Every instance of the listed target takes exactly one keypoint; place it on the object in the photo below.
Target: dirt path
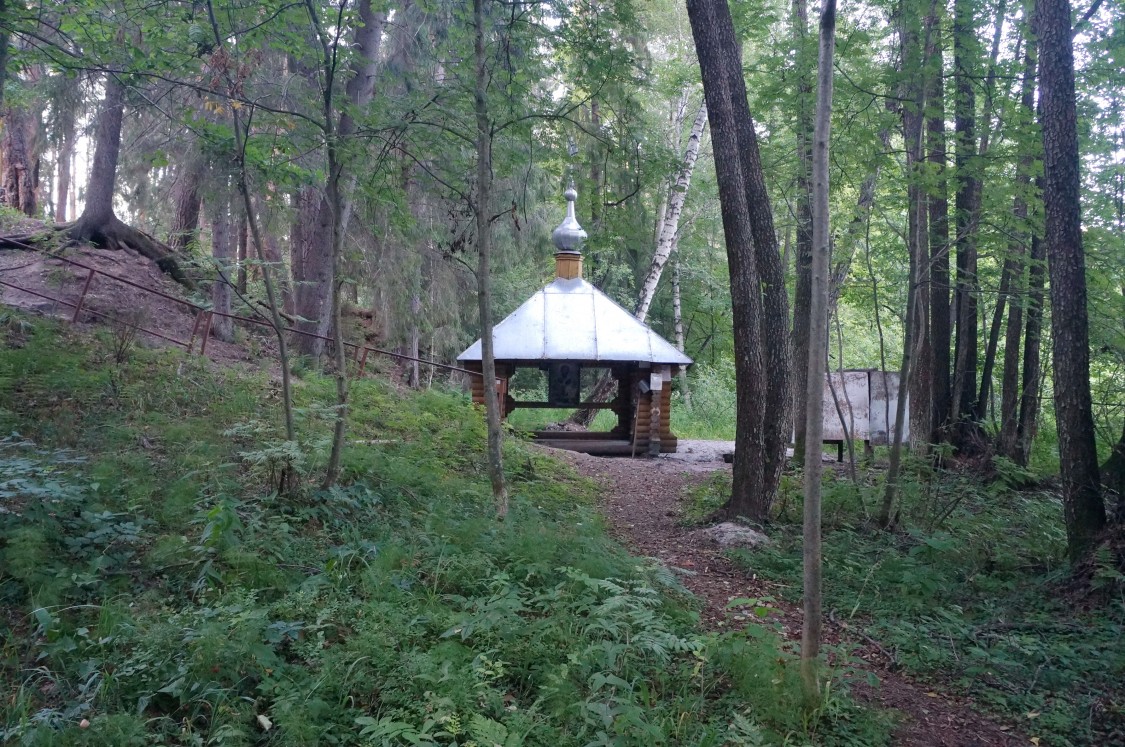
(642, 504)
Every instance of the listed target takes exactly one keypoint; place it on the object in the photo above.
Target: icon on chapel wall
(563, 384)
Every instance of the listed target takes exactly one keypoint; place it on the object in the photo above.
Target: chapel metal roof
(572, 320)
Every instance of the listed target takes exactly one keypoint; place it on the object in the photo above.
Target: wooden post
(633, 433)
(206, 333)
(621, 404)
(82, 296)
(656, 384)
(195, 328)
(502, 374)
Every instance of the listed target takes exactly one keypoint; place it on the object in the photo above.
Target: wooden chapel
(569, 326)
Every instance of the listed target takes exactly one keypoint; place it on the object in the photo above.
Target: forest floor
(644, 502)
(649, 507)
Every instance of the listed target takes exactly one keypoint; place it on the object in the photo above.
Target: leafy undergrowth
(155, 590)
(974, 591)
(711, 413)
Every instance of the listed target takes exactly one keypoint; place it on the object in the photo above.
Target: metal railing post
(82, 296)
(195, 329)
(206, 333)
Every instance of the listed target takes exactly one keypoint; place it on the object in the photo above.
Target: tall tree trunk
(288, 483)
(920, 386)
(966, 291)
(98, 224)
(483, 218)
(1003, 298)
(72, 210)
(360, 91)
(310, 244)
(845, 249)
(802, 292)
(915, 133)
(597, 178)
(98, 210)
(324, 214)
(1032, 360)
(1078, 456)
(670, 226)
(67, 137)
(970, 156)
(218, 210)
(335, 210)
(914, 46)
(818, 353)
(678, 326)
(771, 273)
(1009, 268)
(184, 233)
(20, 159)
(1010, 381)
(667, 239)
(1010, 374)
(941, 333)
(718, 60)
(242, 241)
(414, 380)
(311, 252)
(1113, 474)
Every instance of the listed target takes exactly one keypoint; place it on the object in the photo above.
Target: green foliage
(711, 415)
(706, 498)
(158, 591)
(972, 592)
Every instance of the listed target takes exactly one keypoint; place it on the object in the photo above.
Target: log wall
(643, 419)
(476, 386)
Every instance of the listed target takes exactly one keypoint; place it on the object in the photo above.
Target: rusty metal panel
(851, 392)
(884, 392)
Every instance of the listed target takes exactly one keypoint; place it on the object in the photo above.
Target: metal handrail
(202, 310)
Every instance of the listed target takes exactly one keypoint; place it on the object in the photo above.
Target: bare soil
(642, 501)
(56, 285)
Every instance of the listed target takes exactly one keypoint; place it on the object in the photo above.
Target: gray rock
(728, 534)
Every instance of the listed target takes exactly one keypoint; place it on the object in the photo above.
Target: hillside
(125, 290)
(156, 590)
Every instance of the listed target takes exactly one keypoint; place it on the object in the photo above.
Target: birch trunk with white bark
(670, 227)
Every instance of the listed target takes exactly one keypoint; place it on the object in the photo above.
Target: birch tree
(670, 225)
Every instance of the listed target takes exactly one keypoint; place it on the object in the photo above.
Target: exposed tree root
(108, 234)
